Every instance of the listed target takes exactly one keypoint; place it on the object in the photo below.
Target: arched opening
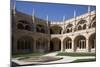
(55, 29)
(92, 41)
(23, 25)
(79, 27)
(94, 18)
(27, 27)
(67, 31)
(84, 26)
(93, 25)
(80, 42)
(20, 26)
(40, 28)
(25, 44)
(67, 43)
(51, 31)
(68, 28)
(55, 44)
(82, 21)
(41, 45)
(93, 22)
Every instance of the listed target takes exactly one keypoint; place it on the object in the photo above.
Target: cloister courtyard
(41, 41)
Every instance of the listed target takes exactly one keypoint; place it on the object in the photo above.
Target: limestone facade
(32, 34)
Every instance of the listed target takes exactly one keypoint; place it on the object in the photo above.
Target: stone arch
(25, 44)
(92, 41)
(93, 22)
(79, 42)
(67, 43)
(56, 29)
(79, 27)
(27, 27)
(93, 19)
(20, 26)
(41, 44)
(69, 28)
(24, 25)
(55, 44)
(84, 26)
(82, 21)
(69, 25)
(40, 28)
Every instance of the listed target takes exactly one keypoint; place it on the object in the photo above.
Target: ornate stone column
(87, 45)
(73, 48)
(62, 46)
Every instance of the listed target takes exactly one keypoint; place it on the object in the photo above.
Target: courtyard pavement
(66, 59)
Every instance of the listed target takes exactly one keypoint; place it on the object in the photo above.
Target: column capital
(87, 38)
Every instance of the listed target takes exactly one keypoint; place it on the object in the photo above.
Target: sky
(54, 11)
